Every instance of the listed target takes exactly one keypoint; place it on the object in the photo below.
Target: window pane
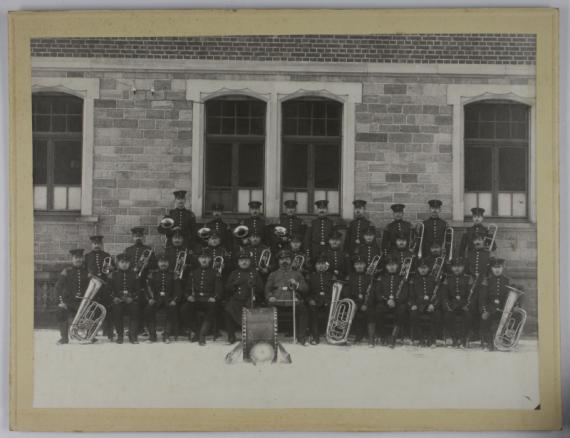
(327, 166)
(242, 126)
(478, 169)
(74, 123)
(519, 204)
(228, 125)
(295, 159)
(304, 127)
(312, 117)
(505, 204)
(213, 125)
(512, 169)
(40, 198)
(250, 165)
(319, 126)
(519, 131)
(219, 165)
(40, 162)
(58, 124)
(67, 162)
(333, 127)
(219, 196)
(258, 126)
(60, 198)
(486, 130)
(74, 198)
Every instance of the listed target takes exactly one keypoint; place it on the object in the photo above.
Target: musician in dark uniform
(256, 248)
(319, 297)
(478, 258)
(401, 250)
(394, 228)
(172, 253)
(424, 302)
(296, 248)
(70, 288)
(183, 218)
(338, 260)
(292, 223)
(216, 249)
(203, 291)
(456, 303)
(255, 222)
(242, 289)
(218, 225)
(357, 288)
(94, 260)
(388, 303)
(317, 235)
(127, 296)
(163, 293)
(434, 227)
(137, 250)
(434, 253)
(369, 247)
(492, 300)
(279, 292)
(357, 227)
(477, 228)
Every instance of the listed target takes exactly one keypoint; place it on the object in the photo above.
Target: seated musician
(242, 288)
(357, 289)
(492, 301)
(163, 294)
(256, 248)
(279, 289)
(424, 305)
(369, 248)
(126, 299)
(203, 291)
(387, 304)
(478, 227)
(319, 297)
(173, 251)
(456, 304)
(401, 250)
(70, 288)
(434, 252)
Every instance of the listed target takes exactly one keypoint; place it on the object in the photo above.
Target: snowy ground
(186, 375)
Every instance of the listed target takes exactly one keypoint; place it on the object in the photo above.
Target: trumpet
(90, 314)
(511, 324)
(298, 262)
(447, 246)
(264, 259)
(218, 265)
(373, 265)
(142, 262)
(204, 233)
(417, 238)
(241, 232)
(405, 270)
(489, 240)
(165, 225)
(106, 266)
(341, 314)
(180, 264)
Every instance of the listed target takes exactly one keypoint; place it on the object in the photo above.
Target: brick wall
(424, 49)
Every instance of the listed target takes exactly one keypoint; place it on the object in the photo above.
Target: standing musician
(385, 306)
(256, 248)
(320, 230)
(369, 247)
(183, 218)
(357, 288)
(478, 258)
(70, 288)
(455, 301)
(291, 222)
(216, 249)
(218, 225)
(172, 253)
(424, 305)
(243, 288)
(283, 285)
(401, 250)
(296, 248)
(434, 227)
(127, 296)
(357, 227)
(203, 291)
(163, 293)
(492, 302)
(94, 260)
(477, 228)
(319, 297)
(396, 227)
(338, 260)
(255, 222)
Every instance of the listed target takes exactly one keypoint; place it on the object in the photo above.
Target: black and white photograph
(348, 220)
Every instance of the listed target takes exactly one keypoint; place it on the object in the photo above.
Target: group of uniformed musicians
(399, 289)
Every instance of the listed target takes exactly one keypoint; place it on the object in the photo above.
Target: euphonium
(90, 314)
(373, 265)
(106, 266)
(165, 225)
(298, 262)
(489, 239)
(341, 314)
(218, 265)
(180, 264)
(447, 247)
(241, 232)
(264, 259)
(142, 262)
(511, 324)
(204, 233)
(417, 239)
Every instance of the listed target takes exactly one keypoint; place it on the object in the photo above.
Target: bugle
(511, 324)
(417, 238)
(90, 314)
(341, 314)
(107, 265)
(489, 239)
(180, 264)
(264, 259)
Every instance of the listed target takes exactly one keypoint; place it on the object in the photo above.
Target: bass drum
(259, 335)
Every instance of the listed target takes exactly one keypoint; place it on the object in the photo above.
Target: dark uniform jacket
(240, 283)
(204, 283)
(71, 285)
(354, 234)
(356, 288)
(434, 231)
(222, 229)
(492, 297)
(255, 252)
(171, 253)
(294, 224)
(401, 255)
(256, 224)
(477, 262)
(455, 291)
(186, 220)
(320, 287)
(467, 238)
(94, 262)
(386, 288)
(221, 251)
(134, 253)
(162, 286)
(277, 285)
(124, 284)
(391, 231)
(368, 251)
(339, 262)
(421, 292)
(317, 235)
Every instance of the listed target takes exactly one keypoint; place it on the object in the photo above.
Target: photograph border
(24, 26)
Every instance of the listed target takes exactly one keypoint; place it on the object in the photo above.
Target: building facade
(119, 123)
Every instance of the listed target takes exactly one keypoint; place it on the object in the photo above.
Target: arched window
(235, 146)
(497, 158)
(57, 124)
(311, 152)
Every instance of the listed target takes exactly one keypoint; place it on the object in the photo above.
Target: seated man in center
(279, 292)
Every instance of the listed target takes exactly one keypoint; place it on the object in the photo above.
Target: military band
(202, 277)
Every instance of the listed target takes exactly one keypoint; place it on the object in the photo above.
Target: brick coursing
(423, 49)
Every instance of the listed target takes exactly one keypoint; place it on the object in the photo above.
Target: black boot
(371, 334)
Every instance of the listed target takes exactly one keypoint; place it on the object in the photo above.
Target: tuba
(298, 262)
(142, 262)
(90, 314)
(165, 225)
(241, 232)
(417, 239)
(373, 265)
(489, 239)
(447, 246)
(264, 259)
(511, 324)
(341, 314)
(180, 264)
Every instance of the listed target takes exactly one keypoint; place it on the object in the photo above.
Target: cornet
(218, 265)
(180, 264)
(489, 239)
(142, 262)
(298, 262)
(264, 259)
(373, 265)
(417, 238)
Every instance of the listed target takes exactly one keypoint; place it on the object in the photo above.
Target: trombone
(447, 247)
(180, 264)
(417, 238)
(405, 270)
(489, 240)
